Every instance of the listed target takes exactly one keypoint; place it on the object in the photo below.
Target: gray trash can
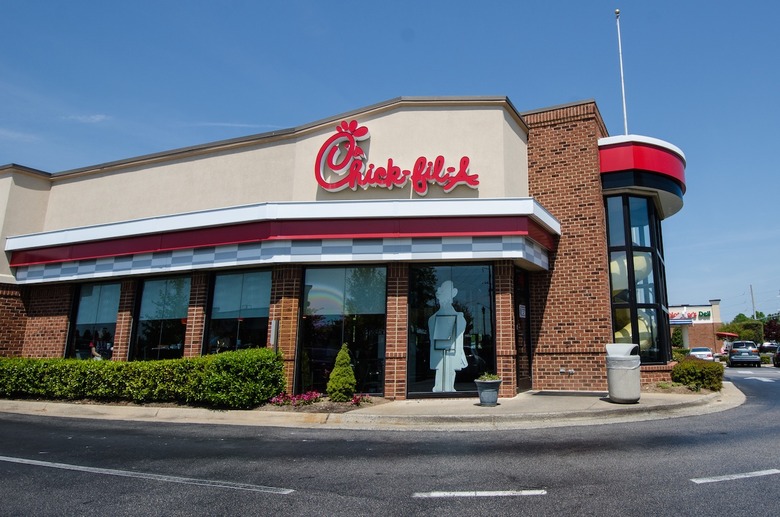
(623, 378)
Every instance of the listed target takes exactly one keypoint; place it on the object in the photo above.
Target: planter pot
(488, 392)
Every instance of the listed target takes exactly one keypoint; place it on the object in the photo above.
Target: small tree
(342, 383)
(677, 337)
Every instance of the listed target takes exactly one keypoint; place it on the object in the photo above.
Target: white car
(702, 352)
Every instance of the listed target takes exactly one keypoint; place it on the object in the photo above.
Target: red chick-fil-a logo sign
(342, 156)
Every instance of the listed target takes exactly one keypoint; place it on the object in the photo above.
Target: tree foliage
(342, 383)
(747, 329)
(677, 337)
(772, 330)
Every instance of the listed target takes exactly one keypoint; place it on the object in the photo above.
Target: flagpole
(622, 83)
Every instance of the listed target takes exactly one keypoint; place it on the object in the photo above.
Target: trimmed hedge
(697, 373)
(235, 380)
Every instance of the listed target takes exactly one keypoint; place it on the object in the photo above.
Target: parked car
(702, 352)
(768, 348)
(744, 344)
(744, 353)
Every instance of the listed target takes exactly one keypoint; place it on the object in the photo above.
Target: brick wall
(196, 314)
(48, 310)
(124, 319)
(651, 374)
(506, 351)
(571, 317)
(703, 334)
(13, 320)
(286, 282)
(397, 333)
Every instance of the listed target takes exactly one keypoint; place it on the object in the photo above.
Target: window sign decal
(341, 163)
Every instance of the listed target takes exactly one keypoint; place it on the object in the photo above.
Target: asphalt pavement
(527, 410)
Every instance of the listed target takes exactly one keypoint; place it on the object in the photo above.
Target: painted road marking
(155, 477)
(762, 379)
(497, 493)
(730, 477)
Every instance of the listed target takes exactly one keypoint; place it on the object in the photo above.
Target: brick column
(13, 320)
(570, 303)
(286, 282)
(48, 311)
(196, 314)
(397, 331)
(124, 319)
(506, 352)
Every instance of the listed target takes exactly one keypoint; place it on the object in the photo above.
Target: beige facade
(273, 167)
(24, 193)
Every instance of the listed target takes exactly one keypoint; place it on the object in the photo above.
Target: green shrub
(239, 380)
(243, 379)
(342, 383)
(766, 358)
(171, 380)
(697, 374)
(678, 354)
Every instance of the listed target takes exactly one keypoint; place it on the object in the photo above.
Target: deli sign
(341, 163)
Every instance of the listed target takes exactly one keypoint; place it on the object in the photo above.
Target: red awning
(726, 334)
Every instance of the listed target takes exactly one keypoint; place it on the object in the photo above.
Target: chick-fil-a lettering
(341, 155)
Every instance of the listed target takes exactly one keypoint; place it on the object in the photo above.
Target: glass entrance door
(451, 336)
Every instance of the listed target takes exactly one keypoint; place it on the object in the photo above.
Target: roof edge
(13, 167)
(282, 133)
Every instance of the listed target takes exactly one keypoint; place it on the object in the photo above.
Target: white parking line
(155, 477)
(497, 493)
(730, 477)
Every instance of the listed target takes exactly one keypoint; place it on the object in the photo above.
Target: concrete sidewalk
(529, 410)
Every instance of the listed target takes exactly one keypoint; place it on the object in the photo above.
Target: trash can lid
(629, 362)
(622, 349)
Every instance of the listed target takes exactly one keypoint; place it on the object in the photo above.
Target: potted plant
(487, 387)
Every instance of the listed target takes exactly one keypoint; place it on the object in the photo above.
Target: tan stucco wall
(282, 169)
(23, 198)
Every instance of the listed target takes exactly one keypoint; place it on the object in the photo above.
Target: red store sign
(341, 155)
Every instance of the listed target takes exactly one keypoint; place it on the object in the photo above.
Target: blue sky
(86, 82)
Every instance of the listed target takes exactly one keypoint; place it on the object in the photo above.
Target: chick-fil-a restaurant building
(439, 238)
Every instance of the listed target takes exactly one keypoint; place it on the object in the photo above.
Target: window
(343, 305)
(95, 324)
(637, 276)
(239, 311)
(162, 319)
(437, 294)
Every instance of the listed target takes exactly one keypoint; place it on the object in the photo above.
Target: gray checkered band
(525, 251)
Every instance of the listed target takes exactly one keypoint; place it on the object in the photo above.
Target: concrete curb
(517, 413)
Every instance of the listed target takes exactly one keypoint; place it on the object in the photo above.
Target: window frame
(631, 249)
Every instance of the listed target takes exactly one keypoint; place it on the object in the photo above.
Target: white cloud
(89, 119)
(234, 124)
(17, 136)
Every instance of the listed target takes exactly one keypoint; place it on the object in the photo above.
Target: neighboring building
(699, 324)
(437, 237)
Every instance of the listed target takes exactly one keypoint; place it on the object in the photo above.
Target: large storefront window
(343, 305)
(451, 338)
(93, 336)
(239, 311)
(637, 276)
(162, 319)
